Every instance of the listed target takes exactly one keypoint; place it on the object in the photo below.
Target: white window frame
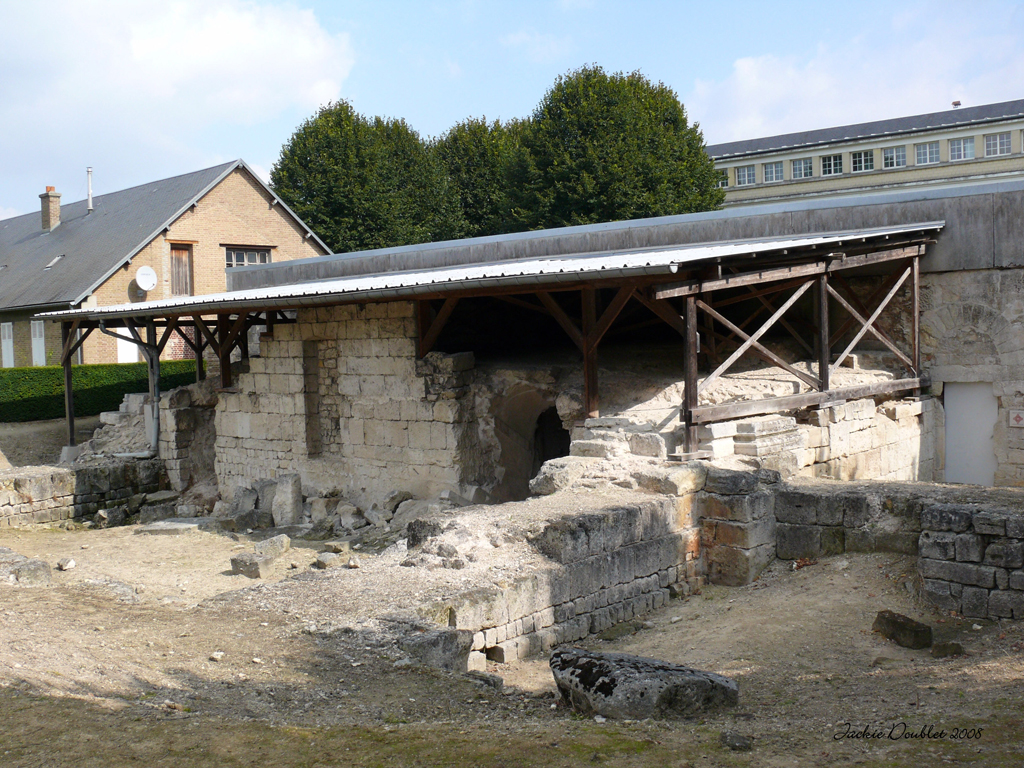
(925, 150)
(862, 160)
(723, 179)
(7, 345)
(748, 177)
(832, 165)
(961, 149)
(806, 166)
(894, 157)
(244, 256)
(773, 171)
(38, 342)
(995, 146)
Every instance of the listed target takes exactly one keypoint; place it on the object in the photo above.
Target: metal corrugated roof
(92, 246)
(953, 118)
(530, 273)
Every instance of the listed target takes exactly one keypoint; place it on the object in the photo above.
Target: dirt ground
(149, 652)
(31, 443)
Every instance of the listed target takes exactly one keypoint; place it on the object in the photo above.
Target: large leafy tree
(363, 183)
(603, 147)
(476, 155)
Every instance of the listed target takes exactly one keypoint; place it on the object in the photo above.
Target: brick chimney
(51, 209)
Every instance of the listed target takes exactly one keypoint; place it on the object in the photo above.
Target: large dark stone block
(902, 630)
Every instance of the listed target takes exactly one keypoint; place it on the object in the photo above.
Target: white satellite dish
(146, 278)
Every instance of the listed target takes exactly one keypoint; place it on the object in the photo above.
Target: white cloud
(7, 213)
(156, 84)
(538, 47)
(920, 64)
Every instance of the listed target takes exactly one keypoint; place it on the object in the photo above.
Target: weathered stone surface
(942, 650)
(66, 564)
(946, 517)
(970, 548)
(621, 686)
(377, 517)
(798, 507)
(557, 474)
(33, 573)
(252, 565)
(179, 526)
(150, 513)
(974, 602)
(741, 508)
(902, 630)
(446, 649)
(287, 507)
(266, 490)
(275, 546)
(673, 480)
(989, 523)
(322, 509)
(796, 541)
(938, 545)
(394, 498)
(1005, 554)
(729, 482)
(421, 530)
(961, 573)
(938, 594)
(347, 517)
(737, 742)
(328, 560)
(1006, 604)
(734, 567)
(647, 444)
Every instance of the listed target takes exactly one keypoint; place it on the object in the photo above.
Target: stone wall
(972, 330)
(340, 398)
(32, 495)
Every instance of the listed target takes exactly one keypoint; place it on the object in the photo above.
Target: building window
(803, 168)
(723, 179)
(894, 157)
(7, 345)
(773, 171)
(38, 342)
(745, 175)
(927, 154)
(997, 144)
(961, 149)
(243, 257)
(863, 161)
(831, 165)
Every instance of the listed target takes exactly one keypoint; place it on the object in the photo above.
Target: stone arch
(968, 334)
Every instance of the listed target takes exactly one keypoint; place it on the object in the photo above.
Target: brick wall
(22, 329)
(238, 211)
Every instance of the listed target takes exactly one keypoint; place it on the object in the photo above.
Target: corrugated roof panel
(529, 272)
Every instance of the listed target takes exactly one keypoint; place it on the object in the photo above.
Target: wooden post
(152, 355)
(824, 348)
(198, 340)
(590, 396)
(225, 352)
(690, 374)
(69, 398)
(915, 310)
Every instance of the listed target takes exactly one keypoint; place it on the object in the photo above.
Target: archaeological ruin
(788, 380)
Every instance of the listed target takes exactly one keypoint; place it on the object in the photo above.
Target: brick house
(188, 230)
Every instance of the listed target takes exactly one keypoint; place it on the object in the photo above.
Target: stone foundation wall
(32, 495)
(340, 398)
(613, 566)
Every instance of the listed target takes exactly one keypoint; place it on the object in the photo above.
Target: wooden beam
(524, 304)
(693, 288)
(172, 325)
(739, 410)
(590, 385)
(223, 350)
(754, 293)
(66, 332)
(608, 316)
(68, 338)
(563, 319)
(867, 324)
(430, 334)
(665, 311)
(750, 340)
(756, 345)
(206, 331)
(824, 348)
(237, 328)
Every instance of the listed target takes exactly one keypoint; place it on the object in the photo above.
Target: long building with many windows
(961, 144)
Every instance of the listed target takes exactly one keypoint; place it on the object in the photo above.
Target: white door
(127, 351)
(38, 342)
(7, 345)
(971, 414)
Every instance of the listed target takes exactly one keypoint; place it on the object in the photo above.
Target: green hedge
(30, 394)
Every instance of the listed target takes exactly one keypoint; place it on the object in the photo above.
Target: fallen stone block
(394, 498)
(337, 547)
(327, 560)
(421, 530)
(287, 507)
(179, 526)
(558, 474)
(377, 517)
(902, 630)
(622, 686)
(275, 546)
(942, 650)
(446, 649)
(252, 565)
(162, 497)
(66, 564)
(150, 513)
(33, 573)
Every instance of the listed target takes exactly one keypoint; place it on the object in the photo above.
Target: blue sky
(142, 90)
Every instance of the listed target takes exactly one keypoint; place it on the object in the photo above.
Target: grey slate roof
(93, 245)
(952, 118)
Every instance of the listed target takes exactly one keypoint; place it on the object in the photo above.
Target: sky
(141, 90)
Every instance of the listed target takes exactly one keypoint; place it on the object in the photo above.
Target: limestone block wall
(972, 330)
(340, 398)
(610, 567)
(32, 495)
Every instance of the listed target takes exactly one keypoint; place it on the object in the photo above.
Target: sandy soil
(32, 443)
(114, 665)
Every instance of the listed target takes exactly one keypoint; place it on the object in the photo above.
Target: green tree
(605, 147)
(476, 156)
(362, 183)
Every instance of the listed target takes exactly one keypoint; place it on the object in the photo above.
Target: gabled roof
(87, 248)
(953, 118)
